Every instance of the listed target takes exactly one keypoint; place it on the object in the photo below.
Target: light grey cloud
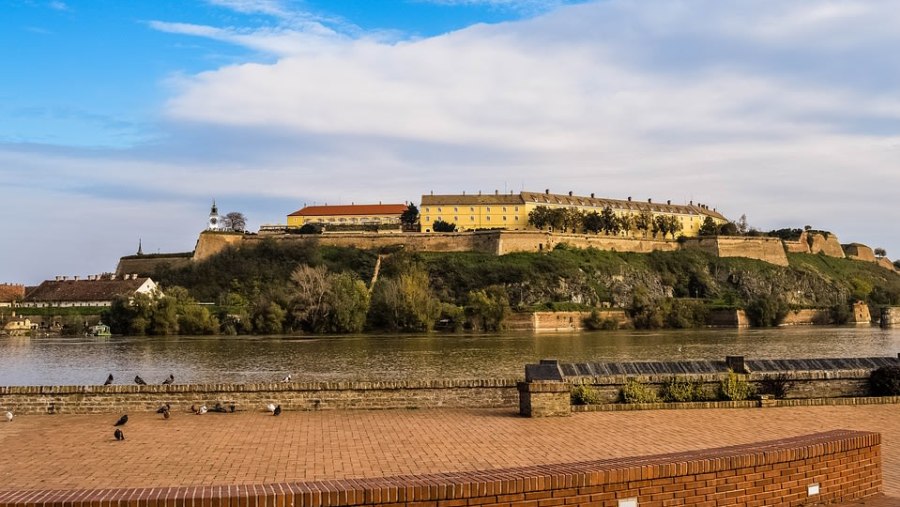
(787, 112)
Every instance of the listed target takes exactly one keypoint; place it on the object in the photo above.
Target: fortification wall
(765, 249)
(807, 317)
(572, 321)
(800, 246)
(859, 252)
(830, 246)
(844, 465)
(886, 263)
(210, 243)
(728, 318)
(537, 241)
(145, 265)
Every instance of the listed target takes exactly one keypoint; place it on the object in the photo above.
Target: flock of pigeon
(165, 409)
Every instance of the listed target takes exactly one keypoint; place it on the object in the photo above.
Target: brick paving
(79, 451)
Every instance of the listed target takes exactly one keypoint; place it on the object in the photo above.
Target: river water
(82, 361)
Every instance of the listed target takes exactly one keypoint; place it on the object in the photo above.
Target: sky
(122, 121)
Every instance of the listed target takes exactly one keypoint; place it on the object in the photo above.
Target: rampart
(212, 242)
(561, 321)
(831, 467)
(250, 397)
(766, 249)
(537, 241)
(144, 265)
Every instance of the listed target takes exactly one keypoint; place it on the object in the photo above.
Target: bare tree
(235, 221)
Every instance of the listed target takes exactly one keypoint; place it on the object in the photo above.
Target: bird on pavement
(139, 381)
(231, 408)
(119, 435)
(277, 410)
(202, 410)
(287, 379)
(219, 408)
(109, 380)
(270, 407)
(122, 420)
(169, 380)
(164, 408)
(166, 414)
(9, 416)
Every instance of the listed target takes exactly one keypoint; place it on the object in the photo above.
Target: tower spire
(140, 250)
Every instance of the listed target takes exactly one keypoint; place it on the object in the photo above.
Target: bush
(885, 381)
(679, 390)
(767, 311)
(734, 388)
(634, 391)
(584, 395)
(594, 322)
(775, 385)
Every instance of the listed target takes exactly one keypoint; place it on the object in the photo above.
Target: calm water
(79, 361)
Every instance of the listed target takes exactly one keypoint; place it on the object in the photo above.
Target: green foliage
(767, 311)
(268, 318)
(650, 313)
(410, 216)
(787, 234)
(728, 229)
(442, 226)
(309, 228)
(841, 313)
(404, 303)
(487, 309)
(734, 387)
(885, 381)
(451, 318)
(634, 391)
(681, 390)
(594, 322)
(775, 385)
(61, 311)
(326, 302)
(708, 227)
(897, 264)
(584, 395)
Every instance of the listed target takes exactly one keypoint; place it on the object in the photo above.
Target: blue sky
(123, 120)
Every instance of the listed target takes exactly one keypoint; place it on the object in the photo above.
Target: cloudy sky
(122, 121)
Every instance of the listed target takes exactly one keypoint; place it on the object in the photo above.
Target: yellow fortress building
(511, 211)
(348, 214)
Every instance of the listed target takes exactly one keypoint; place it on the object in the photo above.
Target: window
(428, 219)
(517, 208)
(504, 209)
(471, 219)
(488, 210)
(487, 218)
(427, 210)
(517, 219)
(456, 219)
(455, 210)
(504, 218)
(471, 210)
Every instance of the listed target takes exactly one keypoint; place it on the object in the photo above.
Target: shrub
(584, 395)
(775, 385)
(885, 381)
(634, 391)
(681, 389)
(767, 311)
(734, 388)
(594, 322)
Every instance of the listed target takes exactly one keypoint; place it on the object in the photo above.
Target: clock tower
(214, 218)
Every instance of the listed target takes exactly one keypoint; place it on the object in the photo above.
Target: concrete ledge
(845, 466)
(812, 402)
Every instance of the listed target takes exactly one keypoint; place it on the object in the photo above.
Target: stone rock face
(860, 252)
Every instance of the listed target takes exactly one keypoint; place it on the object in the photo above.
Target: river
(82, 361)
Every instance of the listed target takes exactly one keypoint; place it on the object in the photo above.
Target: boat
(100, 329)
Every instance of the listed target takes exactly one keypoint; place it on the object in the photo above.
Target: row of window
(361, 220)
(472, 209)
(471, 219)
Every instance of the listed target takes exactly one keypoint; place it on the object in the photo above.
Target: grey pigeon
(169, 380)
(139, 381)
(119, 435)
(122, 420)
(109, 380)
(277, 410)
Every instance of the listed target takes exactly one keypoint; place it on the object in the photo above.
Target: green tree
(404, 303)
(558, 219)
(309, 305)
(197, 320)
(348, 301)
(593, 222)
(728, 229)
(442, 226)
(487, 309)
(708, 227)
(410, 216)
(268, 318)
(310, 228)
(643, 222)
(767, 311)
(235, 221)
(539, 217)
(609, 222)
(572, 219)
(897, 264)
(880, 252)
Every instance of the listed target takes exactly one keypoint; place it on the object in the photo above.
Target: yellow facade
(353, 214)
(510, 211)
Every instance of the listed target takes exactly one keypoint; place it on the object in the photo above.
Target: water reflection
(78, 361)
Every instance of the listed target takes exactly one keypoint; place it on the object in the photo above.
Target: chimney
(479, 192)
(592, 195)
(629, 198)
(649, 200)
(547, 191)
(75, 278)
(58, 278)
(496, 192)
(692, 203)
(432, 192)
(464, 192)
(570, 193)
(669, 202)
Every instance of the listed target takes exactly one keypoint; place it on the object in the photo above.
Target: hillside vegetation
(277, 287)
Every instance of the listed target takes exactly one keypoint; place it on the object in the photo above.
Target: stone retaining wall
(841, 466)
(254, 397)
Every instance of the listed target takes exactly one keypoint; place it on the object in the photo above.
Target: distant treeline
(283, 287)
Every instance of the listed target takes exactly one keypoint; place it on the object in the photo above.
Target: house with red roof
(93, 291)
(348, 214)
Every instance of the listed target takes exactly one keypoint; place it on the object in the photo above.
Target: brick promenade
(78, 451)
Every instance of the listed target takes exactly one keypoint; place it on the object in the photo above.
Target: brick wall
(846, 465)
(770, 250)
(250, 397)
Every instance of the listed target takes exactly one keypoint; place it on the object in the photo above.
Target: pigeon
(270, 407)
(231, 408)
(202, 410)
(119, 435)
(109, 380)
(194, 408)
(277, 410)
(169, 380)
(164, 408)
(219, 408)
(9, 416)
(287, 379)
(166, 414)
(139, 381)
(122, 420)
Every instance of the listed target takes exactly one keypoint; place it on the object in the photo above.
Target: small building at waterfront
(10, 293)
(92, 291)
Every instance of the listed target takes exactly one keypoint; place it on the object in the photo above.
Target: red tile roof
(84, 290)
(350, 209)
